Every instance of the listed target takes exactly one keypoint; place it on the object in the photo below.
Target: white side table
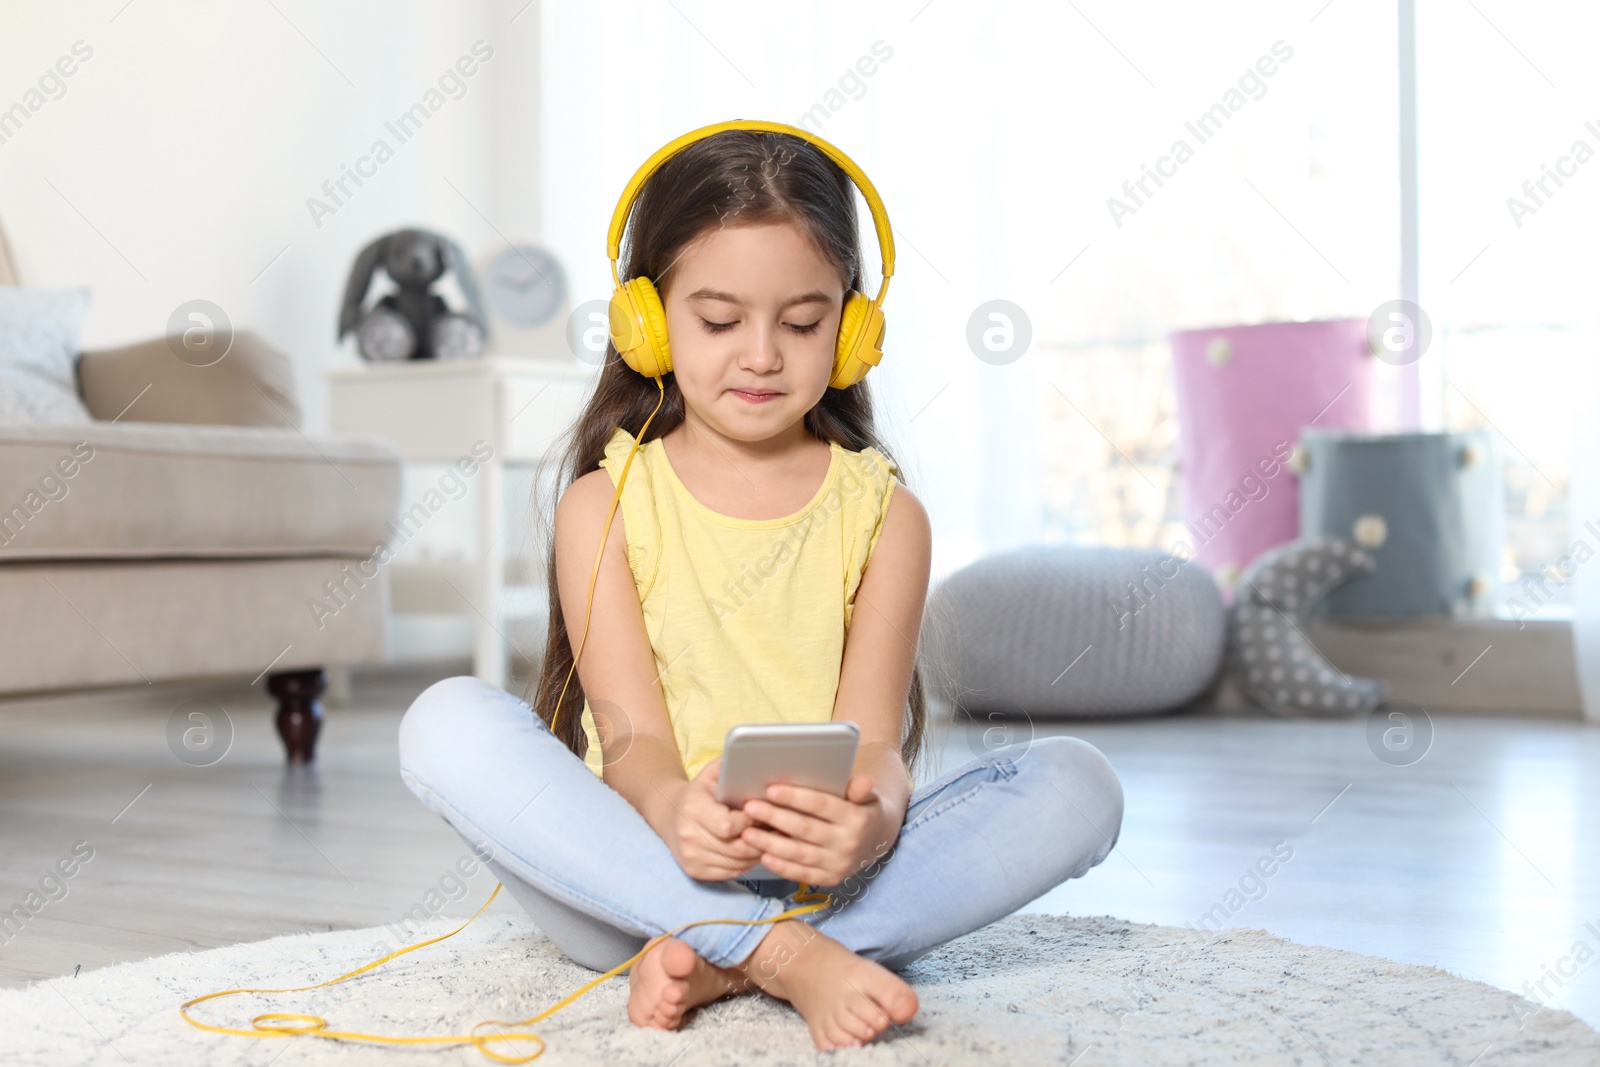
(435, 412)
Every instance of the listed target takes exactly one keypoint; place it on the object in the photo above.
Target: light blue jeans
(976, 845)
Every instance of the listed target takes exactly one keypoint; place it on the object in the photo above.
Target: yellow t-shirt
(746, 617)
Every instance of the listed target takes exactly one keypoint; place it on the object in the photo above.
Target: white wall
(178, 161)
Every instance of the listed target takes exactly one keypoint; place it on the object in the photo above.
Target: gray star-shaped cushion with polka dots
(1269, 656)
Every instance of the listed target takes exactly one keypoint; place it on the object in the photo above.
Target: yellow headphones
(639, 331)
(638, 324)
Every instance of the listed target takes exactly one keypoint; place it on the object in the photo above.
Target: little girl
(768, 567)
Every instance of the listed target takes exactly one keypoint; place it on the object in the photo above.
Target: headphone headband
(880, 217)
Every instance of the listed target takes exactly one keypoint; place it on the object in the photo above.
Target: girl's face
(752, 310)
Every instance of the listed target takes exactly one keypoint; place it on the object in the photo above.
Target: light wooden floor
(1472, 859)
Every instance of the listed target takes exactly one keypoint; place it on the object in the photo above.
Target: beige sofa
(192, 530)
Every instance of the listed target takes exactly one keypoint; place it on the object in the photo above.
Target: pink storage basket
(1243, 393)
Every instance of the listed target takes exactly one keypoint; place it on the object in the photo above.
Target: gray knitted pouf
(1073, 630)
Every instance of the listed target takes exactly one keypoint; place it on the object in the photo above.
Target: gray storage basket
(1426, 506)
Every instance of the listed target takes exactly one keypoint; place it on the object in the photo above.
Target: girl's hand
(705, 834)
(819, 838)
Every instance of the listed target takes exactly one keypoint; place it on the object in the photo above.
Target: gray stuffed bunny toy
(413, 323)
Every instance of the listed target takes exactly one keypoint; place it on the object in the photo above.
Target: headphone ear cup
(860, 346)
(638, 326)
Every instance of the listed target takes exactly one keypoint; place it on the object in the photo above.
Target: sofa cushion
(39, 331)
(83, 623)
(251, 385)
(143, 491)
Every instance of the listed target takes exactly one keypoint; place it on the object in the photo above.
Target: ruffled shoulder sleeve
(876, 477)
(639, 518)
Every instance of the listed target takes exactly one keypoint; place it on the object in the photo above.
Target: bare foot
(846, 1000)
(670, 980)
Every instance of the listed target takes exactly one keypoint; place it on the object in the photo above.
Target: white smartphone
(819, 755)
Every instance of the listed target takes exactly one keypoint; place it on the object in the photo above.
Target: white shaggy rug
(1029, 989)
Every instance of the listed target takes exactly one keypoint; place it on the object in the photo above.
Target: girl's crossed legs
(976, 845)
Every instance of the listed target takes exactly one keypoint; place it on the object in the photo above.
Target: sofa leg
(299, 710)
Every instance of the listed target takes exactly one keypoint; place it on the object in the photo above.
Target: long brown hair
(735, 177)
